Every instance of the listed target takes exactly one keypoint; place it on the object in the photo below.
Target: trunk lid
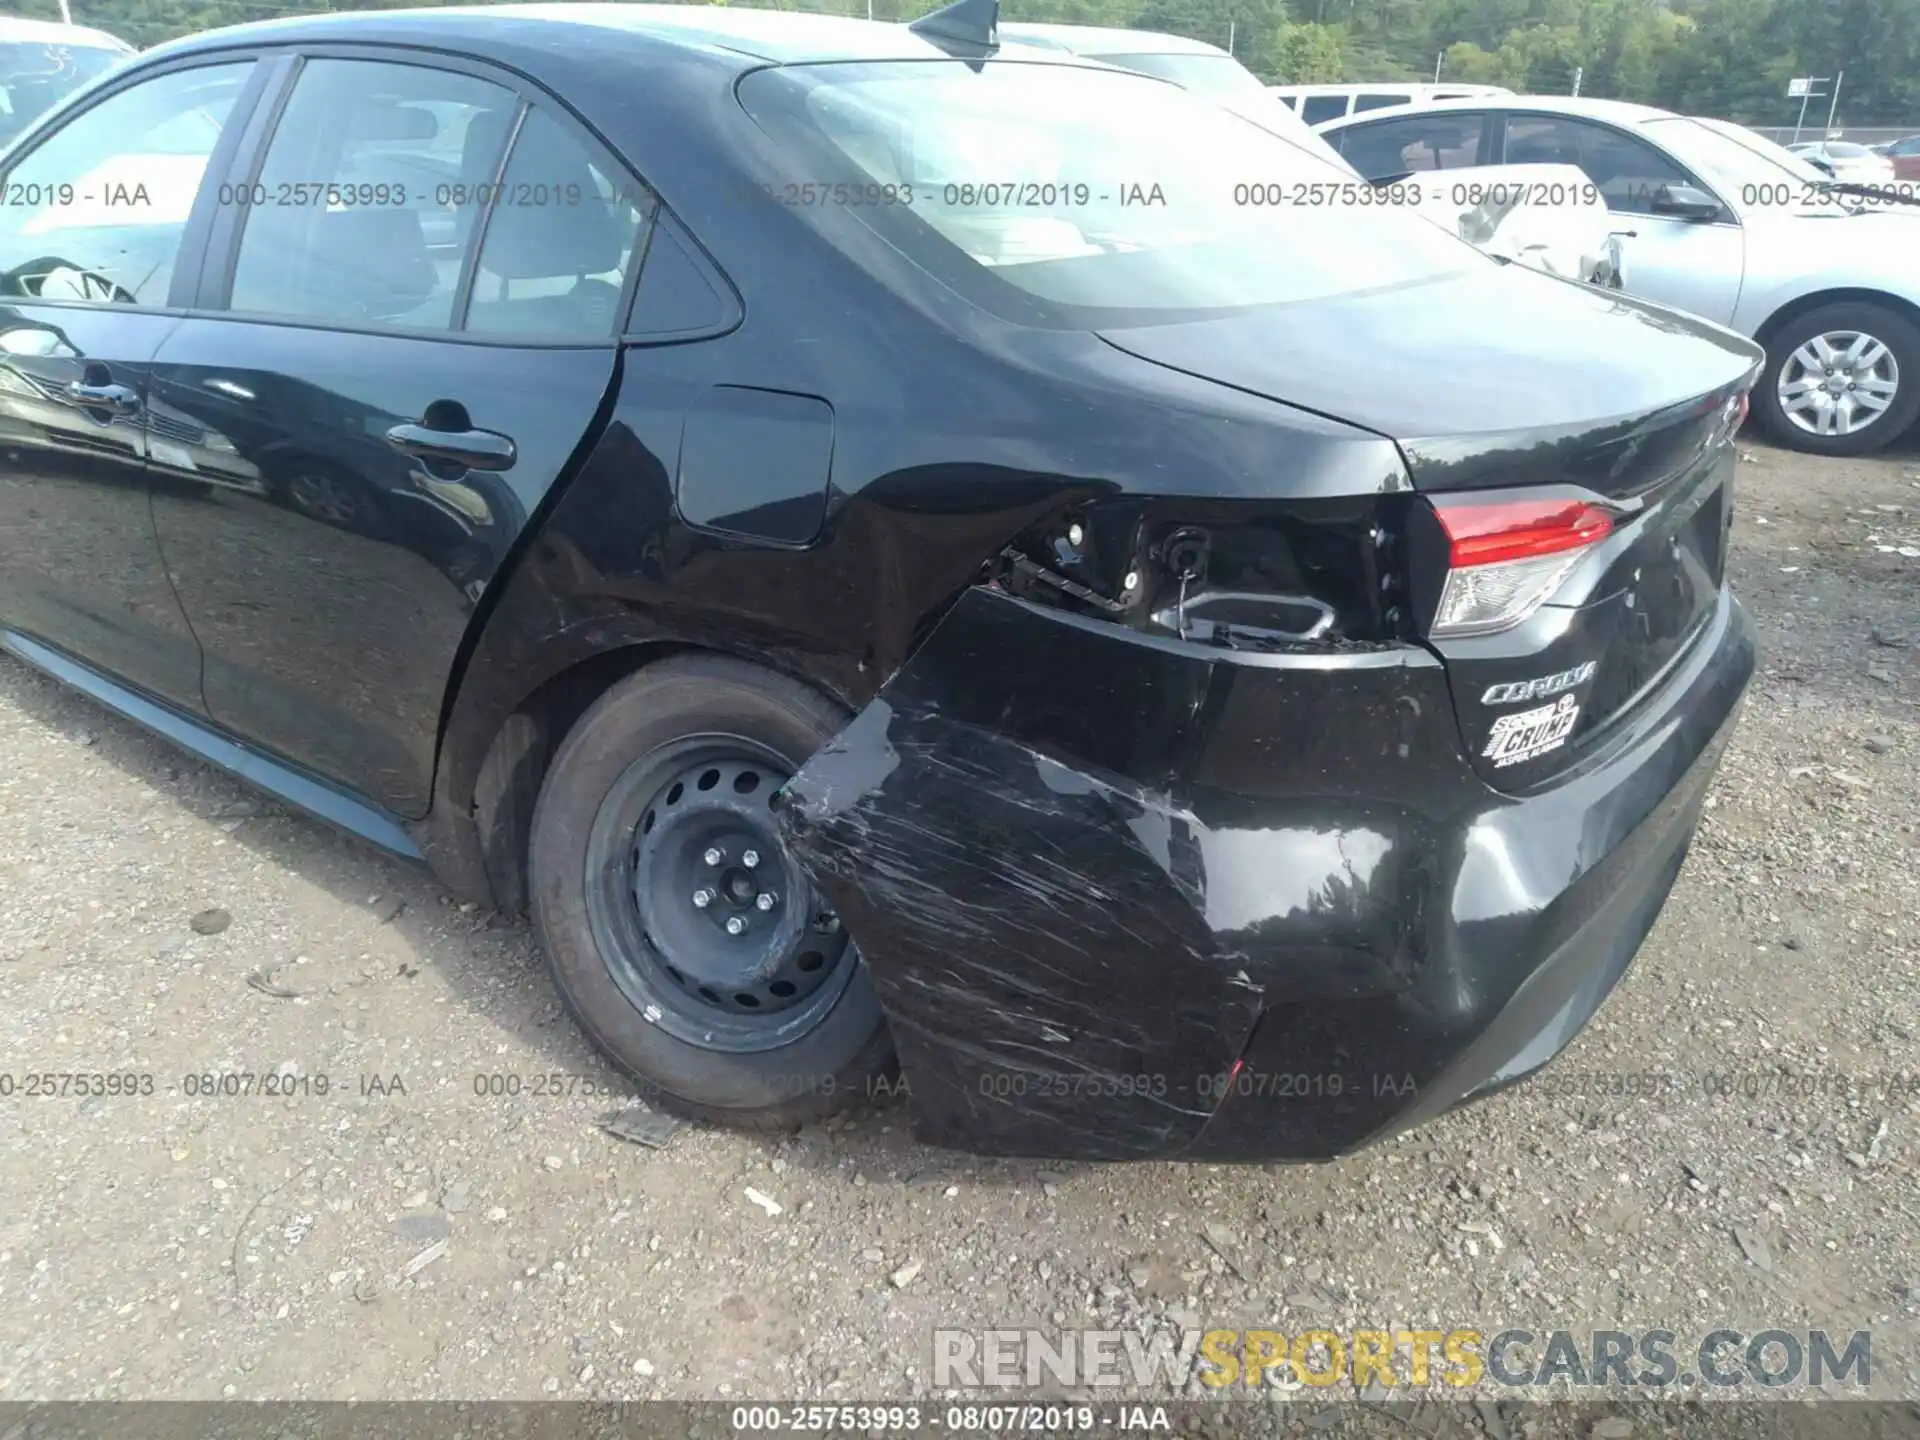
(1503, 379)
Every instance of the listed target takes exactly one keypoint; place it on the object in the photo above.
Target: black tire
(1890, 326)
(606, 964)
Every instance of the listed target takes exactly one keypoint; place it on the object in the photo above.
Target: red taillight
(1494, 533)
(1506, 556)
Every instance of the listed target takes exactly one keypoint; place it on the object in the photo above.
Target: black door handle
(120, 399)
(475, 449)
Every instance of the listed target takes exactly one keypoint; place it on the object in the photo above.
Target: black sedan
(922, 569)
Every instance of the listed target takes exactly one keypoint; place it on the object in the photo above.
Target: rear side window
(1444, 141)
(559, 241)
(1378, 101)
(369, 191)
(1320, 108)
(98, 210)
(1287, 100)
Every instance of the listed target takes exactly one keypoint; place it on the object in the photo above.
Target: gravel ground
(405, 1237)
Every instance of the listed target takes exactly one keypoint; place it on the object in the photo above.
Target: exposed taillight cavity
(1258, 576)
(1507, 555)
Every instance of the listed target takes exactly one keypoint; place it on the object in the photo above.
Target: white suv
(42, 62)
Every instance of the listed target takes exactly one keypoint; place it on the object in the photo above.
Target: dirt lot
(181, 1247)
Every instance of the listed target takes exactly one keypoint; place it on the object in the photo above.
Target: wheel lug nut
(766, 900)
(736, 925)
(702, 899)
(714, 855)
(750, 859)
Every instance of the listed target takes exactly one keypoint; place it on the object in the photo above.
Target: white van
(1317, 104)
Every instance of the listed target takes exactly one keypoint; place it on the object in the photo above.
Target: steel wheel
(770, 1023)
(1838, 383)
(708, 926)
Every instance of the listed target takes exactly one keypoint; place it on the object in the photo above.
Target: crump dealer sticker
(1531, 732)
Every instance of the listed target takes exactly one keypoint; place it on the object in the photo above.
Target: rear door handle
(475, 449)
(120, 399)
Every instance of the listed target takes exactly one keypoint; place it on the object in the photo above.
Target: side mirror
(1685, 202)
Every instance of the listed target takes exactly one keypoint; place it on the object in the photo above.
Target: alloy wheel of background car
(693, 950)
(1839, 382)
(1842, 380)
(324, 497)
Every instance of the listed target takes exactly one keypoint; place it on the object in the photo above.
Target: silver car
(1846, 161)
(1725, 225)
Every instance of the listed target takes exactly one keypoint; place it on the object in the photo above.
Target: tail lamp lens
(1506, 556)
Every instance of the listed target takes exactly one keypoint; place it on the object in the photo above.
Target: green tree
(1306, 54)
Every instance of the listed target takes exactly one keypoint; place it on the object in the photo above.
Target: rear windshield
(34, 74)
(1207, 74)
(1078, 197)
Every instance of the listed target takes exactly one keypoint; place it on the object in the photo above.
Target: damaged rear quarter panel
(1082, 862)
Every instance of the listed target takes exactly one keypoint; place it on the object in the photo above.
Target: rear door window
(369, 192)
(1448, 140)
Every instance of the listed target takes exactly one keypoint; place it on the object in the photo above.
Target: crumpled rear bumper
(1125, 897)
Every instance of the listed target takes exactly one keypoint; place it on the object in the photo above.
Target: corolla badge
(1539, 688)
